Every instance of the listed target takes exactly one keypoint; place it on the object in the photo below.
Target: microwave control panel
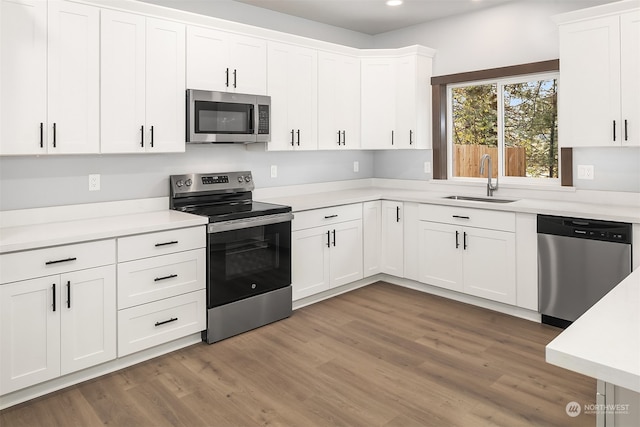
(263, 119)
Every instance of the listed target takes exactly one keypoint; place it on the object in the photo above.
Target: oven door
(248, 259)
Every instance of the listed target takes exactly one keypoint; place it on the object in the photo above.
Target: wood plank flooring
(381, 355)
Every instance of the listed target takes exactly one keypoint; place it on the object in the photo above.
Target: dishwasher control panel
(608, 231)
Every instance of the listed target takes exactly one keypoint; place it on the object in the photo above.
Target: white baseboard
(522, 313)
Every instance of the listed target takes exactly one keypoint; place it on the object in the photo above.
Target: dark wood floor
(382, 355)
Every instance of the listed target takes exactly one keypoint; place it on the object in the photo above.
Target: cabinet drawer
(164, 276)
(326, 216)
(152, 324)
(481, 218)
(161, 243)
(56, 260)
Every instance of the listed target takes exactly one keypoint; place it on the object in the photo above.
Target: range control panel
(227, 182)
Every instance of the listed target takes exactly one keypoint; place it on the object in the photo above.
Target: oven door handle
(237, 224)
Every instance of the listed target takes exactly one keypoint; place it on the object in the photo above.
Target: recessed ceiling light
(394, 2)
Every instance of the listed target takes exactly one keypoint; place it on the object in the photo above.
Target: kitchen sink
(479, 199)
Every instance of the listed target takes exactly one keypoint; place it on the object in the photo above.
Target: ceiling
(372, 16)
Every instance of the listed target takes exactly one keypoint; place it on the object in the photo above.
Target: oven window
(248, 262)
(222, 117)
(251, 254)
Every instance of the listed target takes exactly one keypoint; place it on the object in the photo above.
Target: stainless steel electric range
(249, 251)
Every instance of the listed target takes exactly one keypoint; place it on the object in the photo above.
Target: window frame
(439, 112)
(500, 83)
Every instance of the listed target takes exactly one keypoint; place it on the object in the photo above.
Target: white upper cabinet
(396, 101)
(630, 76)
(413, 102)
(49, 82)
(378, 107)
(599, 67)
(165, 86)
(142, 84)
(293, 87)
(338, 101)
(221, 61)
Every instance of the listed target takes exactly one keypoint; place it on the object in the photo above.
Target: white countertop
(604, 343)
(26, 237)
(55, 231)
(624, 213)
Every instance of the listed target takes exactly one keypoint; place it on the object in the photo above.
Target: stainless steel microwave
(221, 117)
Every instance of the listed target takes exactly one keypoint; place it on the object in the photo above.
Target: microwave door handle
(253, 119)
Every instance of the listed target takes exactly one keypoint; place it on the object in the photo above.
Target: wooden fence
(467, 160)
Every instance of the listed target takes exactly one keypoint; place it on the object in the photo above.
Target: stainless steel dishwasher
(579, 261)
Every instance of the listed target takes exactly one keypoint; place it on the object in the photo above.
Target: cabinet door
(589, 93)
(411, 241)
(338, 101)
(309, 261)
(248, 65)
(165, 86)
(122, 82)
(392, 238)
(23, 77)
(372, 229)
(29, 332)
(88, 318)
(440, 257)
(489, 264)
(378, 112)
(74, 78)
(406, 113)
(293, 87)
(630, 80)
(346, 253)
(207, 59)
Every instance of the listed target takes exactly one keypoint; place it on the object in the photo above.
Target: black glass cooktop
(226, 212)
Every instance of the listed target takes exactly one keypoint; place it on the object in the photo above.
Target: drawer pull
(460, 216)
(173, 319)
(58, 261)
(53, 288)
(173, 242)
(171, 276)
(331, 216)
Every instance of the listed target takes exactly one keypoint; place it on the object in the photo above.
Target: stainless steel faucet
(490, 187)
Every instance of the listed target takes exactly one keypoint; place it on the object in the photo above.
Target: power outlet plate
(94, 182)
(356, 166)
(585, 172)
(427, 167)
(274, 171)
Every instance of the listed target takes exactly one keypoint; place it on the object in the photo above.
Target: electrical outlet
(427, 167)
(94, 182)
(585, 171)
(356, 166)
(274, 171)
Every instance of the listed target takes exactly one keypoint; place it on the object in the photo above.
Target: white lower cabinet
(161, 321)
(55, 325)
(468, 250)
(161, 287)
(326, 249)
(372, 237)
(392, 261)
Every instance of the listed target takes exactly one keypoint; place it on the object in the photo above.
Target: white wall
(39, 181)
(246, 14)
(508, 34)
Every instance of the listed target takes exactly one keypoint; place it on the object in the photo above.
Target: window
(513, 119)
